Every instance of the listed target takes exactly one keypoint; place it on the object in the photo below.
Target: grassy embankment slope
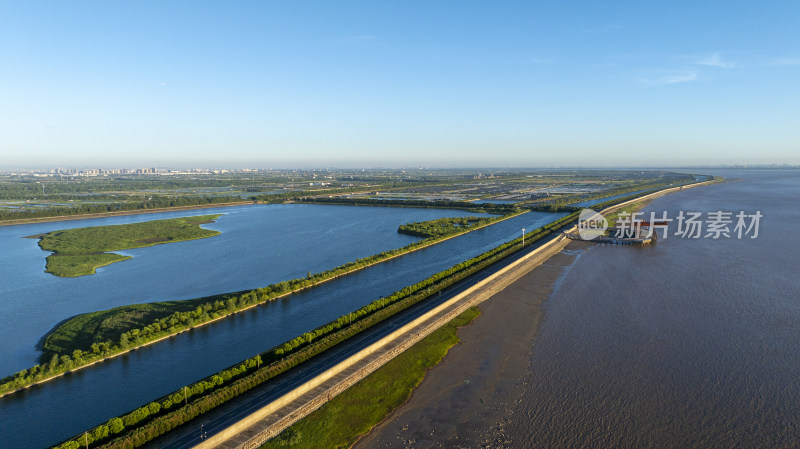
(627, 210)
(354, 412)
(149, 421)
(78, 252)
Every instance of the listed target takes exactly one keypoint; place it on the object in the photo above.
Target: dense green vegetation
(89, 337)
(96, 332)
(65, 193)
(77, 252)
(444, 227)
(355, 411)
(489, 208)
(150, 421)
(148, 204)
(73, 265)
(145, 425)
(99, 333)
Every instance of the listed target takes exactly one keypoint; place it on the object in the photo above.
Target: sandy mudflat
(466, 401)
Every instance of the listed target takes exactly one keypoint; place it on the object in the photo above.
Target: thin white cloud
(675, 78)
(715, 60)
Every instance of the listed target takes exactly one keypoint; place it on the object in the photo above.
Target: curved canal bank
(195, 354)
(258, 246)
(315, 279)
(512, 232)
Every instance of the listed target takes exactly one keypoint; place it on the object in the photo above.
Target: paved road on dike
(188, 435)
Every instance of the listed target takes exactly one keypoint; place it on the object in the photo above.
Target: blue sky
(401, 83)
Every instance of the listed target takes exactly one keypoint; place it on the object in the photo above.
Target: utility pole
(86, 439)
(185, 397)
(523, 237)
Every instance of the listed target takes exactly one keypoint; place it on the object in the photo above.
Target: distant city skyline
(398, 84)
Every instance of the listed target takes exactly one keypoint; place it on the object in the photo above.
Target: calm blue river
(259, 245)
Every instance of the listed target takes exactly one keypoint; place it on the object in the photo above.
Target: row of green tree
(152, 203)
(148, 422)
(27, 188)
(55, 362)
(489, 208)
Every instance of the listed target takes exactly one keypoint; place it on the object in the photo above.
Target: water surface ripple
(688, 343)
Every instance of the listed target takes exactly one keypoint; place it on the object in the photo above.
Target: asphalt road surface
(191, 434)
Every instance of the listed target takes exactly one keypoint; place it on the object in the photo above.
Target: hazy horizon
(344, 167)
(367, 84)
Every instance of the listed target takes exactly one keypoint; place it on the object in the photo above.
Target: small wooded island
(78, 252)
(445, 227)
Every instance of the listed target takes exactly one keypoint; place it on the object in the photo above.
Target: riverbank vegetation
(91, 337)
(145, 425)
(355, 411)
(150, 421)
(627, 210)
(78, 252)
(103, 333)
(97, 332)
(30, 196)
(489, 208)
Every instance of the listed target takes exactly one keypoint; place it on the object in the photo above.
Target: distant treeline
(27, 188)
(80, 209)
(489, 208)
(564, 201)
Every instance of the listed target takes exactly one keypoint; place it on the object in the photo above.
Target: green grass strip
(355, 411)
(148, 422)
